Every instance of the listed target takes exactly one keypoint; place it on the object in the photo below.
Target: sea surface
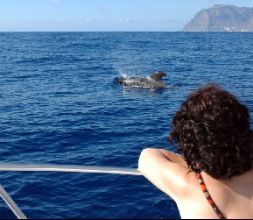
(59, 104)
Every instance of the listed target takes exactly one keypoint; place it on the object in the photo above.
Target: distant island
(222, 18)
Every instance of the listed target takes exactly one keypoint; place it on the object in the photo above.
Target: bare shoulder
(167, 171)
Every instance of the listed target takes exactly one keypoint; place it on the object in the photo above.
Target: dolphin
(153, 81)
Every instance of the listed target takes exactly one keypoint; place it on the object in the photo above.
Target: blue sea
(60, 105)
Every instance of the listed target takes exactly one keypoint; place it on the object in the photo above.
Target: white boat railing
(11, 204)
(55, 168)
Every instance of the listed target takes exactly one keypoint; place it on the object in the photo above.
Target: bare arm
(166, 170)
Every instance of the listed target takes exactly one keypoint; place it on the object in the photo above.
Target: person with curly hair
(212, 177)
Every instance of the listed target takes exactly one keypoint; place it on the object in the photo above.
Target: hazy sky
(102, 15)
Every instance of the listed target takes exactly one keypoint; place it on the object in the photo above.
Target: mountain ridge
(222, 18)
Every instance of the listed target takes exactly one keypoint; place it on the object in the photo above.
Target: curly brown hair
(212, 130)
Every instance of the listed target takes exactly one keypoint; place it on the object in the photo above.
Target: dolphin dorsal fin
(158, 75)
